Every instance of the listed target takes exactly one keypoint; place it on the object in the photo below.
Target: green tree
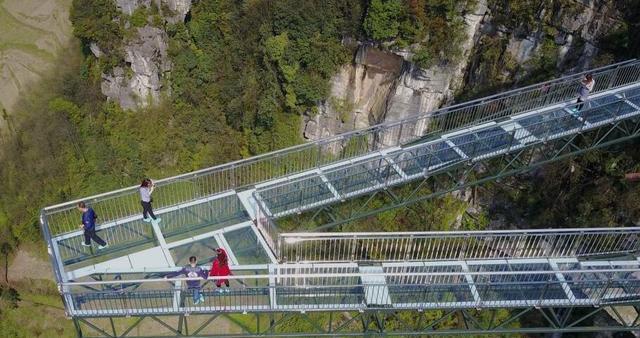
(97, 21)
(383, 19)
(10, 297)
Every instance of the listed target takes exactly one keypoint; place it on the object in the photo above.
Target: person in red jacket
(220, 267)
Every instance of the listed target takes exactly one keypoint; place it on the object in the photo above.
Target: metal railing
(111, 206)
(452, 245)
(402, 289)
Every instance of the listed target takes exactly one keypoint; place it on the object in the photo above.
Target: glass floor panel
(246, 247)
(204, 250)
(551, 123)
(122, 239)
(361, 176)
(484, 141)
(202, 218)
(295, 194)
(443, 152)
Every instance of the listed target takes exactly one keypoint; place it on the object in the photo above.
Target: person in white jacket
(586, 86)
(146, 188)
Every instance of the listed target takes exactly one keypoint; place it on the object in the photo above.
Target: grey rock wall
(383, 86)
(371, 95)
(568, 32)
(140, 82)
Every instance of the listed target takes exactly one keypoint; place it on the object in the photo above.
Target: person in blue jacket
(89, 225)
(192, 271)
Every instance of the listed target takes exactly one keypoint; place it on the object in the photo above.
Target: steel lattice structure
(378, 284)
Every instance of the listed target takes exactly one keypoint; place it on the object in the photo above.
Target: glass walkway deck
(504, 283)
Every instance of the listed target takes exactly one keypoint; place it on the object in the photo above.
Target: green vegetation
(242, 76)
(432, 29)
(589, 191)
(277, 63)
(28, 300)
(382, 21)
(96, 21)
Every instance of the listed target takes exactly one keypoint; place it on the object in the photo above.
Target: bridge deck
(508, 283)
(391, 167)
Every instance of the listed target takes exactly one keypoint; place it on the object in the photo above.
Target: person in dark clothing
(146, 188)
(89, 225)
(192, 271)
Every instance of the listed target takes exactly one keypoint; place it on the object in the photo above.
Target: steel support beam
(378, 323)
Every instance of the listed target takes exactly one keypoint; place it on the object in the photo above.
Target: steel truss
(370, 323)
(472, 173)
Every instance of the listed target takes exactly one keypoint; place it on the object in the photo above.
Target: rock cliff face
(564, 36)
(563, 31)
(140, 85)
(145, 56)
(178, 8)
(358, 95)
(383, 86)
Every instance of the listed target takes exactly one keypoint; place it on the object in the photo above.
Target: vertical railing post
(543, 293)
(613, 78)
(598, 300)
(279, 248)
(354, 244)
(232, 170)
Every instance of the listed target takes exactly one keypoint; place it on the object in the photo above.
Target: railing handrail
(316, 235)
(437, 112)
(359, 275)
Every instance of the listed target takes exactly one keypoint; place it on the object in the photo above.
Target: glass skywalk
(399, 166)
(503, 283)
(233, 206)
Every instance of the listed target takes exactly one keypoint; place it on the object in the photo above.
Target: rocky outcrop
(148, 61)
(383, 86)
(358, 94)
(178, 8)
(566, 32)
(140, 82)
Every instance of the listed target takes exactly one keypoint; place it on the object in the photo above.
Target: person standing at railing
(586, 86)
(220, 268)
(146, 189)
(192, 271)
(89, 226)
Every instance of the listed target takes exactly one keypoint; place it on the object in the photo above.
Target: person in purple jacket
(192, 271)
(89, 226)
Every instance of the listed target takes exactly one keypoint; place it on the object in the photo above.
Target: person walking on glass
(89, 225)
(586, 86)
(192, 271)
(146, 188)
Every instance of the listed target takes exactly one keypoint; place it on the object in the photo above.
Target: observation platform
(235, 206)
